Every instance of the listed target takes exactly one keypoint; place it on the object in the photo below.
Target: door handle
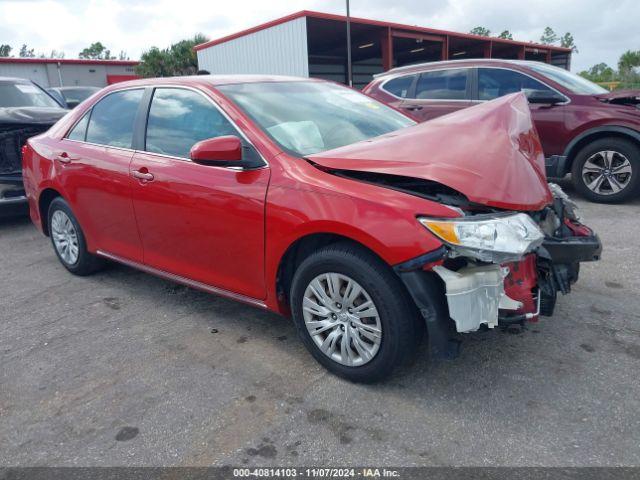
(143, 176)
(414, 107)
(63, 157)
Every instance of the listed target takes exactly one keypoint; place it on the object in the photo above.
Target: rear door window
(443, 85)
(180, 118)
(79, 132)
(112, 119)
(496, 82)
(400, 86)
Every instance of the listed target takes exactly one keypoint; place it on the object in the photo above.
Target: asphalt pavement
(122, 368)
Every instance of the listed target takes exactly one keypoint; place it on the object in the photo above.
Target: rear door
(201, 222)
(92, 164)
(395, 90)
(438, 92)
(549, 119)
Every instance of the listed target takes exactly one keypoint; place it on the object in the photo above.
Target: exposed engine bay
(427, 189)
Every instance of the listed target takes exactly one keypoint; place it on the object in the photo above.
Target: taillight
(25, 147)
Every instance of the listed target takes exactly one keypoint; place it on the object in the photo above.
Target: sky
(602, 29)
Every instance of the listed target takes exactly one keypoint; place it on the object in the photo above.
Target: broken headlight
(490, 239)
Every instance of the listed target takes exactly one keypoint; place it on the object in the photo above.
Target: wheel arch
(300, 249)
(44, 201)
(597, 133)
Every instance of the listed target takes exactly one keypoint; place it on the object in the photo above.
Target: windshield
(311, 117)
(14, 94)
(78, 94)
(570, 81)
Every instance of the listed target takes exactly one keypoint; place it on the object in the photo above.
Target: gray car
(26, 110)
(71, 97)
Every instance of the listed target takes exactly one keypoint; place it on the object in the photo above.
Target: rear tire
(367, 305)
(68, 240)
(607, 170)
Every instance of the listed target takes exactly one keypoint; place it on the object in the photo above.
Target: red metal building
(68, 72)
(308, 43)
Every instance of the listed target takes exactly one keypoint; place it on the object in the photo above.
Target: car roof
(212, 80)
(457, 63)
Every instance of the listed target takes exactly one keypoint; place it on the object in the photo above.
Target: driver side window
(496, 82)
(180, 118)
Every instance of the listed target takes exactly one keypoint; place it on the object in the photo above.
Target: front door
(549, 119)
(205, 223)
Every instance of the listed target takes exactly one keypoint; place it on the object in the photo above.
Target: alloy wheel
(607, 172)
(65, 237)
(342, 319)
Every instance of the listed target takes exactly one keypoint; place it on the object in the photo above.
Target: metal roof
(365, 21)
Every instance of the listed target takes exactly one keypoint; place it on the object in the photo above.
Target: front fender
(388, 228)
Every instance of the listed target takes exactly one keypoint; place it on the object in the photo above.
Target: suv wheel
(607, 170)
(68, 240)
(353, 314)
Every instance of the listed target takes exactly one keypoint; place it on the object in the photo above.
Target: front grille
(11, 141)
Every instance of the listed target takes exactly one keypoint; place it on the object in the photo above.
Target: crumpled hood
(491, 153)
(31, 115)
(619, 95)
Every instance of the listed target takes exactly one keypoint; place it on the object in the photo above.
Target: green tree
(599, 73)
(506, 34)
(482, 31)
(96, 51)
(549, 37)
(5, 50)
(628, 61)
(26, 52)
(178, 59)
(566, 41)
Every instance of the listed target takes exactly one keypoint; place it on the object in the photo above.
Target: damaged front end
(517, 241)
(498, 270)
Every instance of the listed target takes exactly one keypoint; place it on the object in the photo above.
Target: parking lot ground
(122, 368)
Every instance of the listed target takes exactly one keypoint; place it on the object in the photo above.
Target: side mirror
(225, 151)
(548, 97)
(73, 103)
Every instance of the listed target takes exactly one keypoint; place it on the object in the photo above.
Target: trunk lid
(491, 153)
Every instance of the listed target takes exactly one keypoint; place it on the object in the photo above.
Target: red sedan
(312, 200)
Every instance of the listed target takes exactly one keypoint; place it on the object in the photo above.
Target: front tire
(353, 314)
(607, 170)
(68, 240)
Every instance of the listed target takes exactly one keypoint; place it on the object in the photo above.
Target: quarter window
(79, 132)
(180, 118)
(443, 85)
(399, 86)
(112, 119)
(496, 82)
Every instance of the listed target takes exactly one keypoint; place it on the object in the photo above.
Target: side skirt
(185, 281)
